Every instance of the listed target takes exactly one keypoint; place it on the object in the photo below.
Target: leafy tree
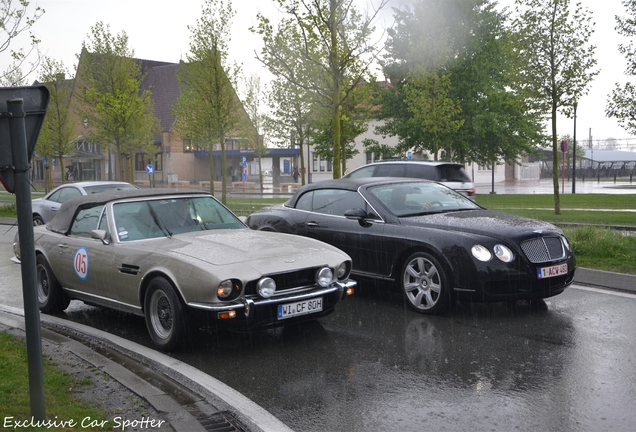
(464, 44)
(14, 21)
(118, 113)
(253, 127)
(623, 98)
(555, 61)
(427, 97)
(56, 136)
(291, 115)
(330, 39)
(208, 108)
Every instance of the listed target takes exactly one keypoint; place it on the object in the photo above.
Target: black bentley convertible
(436, 244)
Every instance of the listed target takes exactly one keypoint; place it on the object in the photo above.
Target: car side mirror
(100, 235)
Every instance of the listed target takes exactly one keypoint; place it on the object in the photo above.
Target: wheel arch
(146, 282)
(435, 253)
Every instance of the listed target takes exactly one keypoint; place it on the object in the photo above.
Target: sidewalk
(183, 397)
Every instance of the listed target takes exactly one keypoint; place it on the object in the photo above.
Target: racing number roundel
(80, 263)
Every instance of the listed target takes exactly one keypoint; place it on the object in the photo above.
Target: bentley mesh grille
(543, 249)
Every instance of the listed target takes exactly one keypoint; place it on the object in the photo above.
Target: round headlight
(324, 277)
(225, 289)
(567, 244)
(341, 270)
(481, 253)
(503, 253)
(266, 287)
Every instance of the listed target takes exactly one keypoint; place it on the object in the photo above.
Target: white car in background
(44, 209)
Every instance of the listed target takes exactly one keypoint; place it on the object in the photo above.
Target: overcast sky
(157, 30)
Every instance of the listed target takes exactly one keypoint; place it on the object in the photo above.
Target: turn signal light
(350, 291)
(227, 314)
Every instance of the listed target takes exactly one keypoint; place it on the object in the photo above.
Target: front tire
(51, 297)
(164, 315)
(424, 284)
(37, 220)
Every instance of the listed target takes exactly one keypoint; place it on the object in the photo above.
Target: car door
(79, 261)
(363, 242)
(54, 202)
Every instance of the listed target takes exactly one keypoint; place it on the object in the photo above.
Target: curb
(209, 402)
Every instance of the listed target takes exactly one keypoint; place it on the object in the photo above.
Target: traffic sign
(150, 169)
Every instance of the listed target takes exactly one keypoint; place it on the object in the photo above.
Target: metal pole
(27, 256)
(574, 153)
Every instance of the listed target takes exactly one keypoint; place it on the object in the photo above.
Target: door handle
(312, 224)
(63, 246)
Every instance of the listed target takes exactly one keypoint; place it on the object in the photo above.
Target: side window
(68, 193)
(422, 172)
(336, 202)
(56, 196)
(363, 172)
(390, 170)
(304, 202)
(86, 220)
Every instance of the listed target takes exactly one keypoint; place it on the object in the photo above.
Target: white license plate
(548, 272)
(289, 310)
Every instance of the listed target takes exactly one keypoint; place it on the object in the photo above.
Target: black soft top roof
(62, 221)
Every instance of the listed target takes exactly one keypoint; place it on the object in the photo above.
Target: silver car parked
(44, 209)
(171, 256)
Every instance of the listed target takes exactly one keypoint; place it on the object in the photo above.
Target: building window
(320, 164)
(141, 161)
(188, 146)
(369, 157)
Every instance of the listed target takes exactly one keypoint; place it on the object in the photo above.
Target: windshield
(414, 199)
(168, 216)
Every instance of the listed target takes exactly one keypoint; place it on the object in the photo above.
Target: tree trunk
(223, 171)
(555, 162)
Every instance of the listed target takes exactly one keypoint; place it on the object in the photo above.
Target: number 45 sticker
(80, 263)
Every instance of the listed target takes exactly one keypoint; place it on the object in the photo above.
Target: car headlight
(225, 289)
(266, 287)
(503, 253)
(481, 253)
(341, 271)
(324, 277)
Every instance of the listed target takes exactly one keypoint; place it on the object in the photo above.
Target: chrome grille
(543, 249)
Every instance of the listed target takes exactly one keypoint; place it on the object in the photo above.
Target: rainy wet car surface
(171, 257)
(434, 243)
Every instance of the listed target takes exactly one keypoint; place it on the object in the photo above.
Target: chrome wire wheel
(424, 284)
(43, 284)
(161, 314)
(165, 318)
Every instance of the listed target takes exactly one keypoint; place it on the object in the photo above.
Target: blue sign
(409, 155)
(45, 160)
(53, 161)
(244, 177)
(244, 161)
(150, 169)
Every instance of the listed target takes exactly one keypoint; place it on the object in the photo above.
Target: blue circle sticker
(80, 263)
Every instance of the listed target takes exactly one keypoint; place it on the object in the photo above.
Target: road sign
(409, 155)
(244, 162)
(564, 146)
(34, 101)
(150, 169)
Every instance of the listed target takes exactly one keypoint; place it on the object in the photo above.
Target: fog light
(227, 314)
(350, 291)
(324, 277)
(266, 287)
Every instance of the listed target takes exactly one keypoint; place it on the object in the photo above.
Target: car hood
(262, 250)
(484, 222)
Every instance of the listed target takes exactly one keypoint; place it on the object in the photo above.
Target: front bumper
(260, 311)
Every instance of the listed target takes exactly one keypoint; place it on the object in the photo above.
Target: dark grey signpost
(22, 112)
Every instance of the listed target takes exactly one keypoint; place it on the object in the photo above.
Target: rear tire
(37, 220)
(51, 297)
(164, 315)
(424, 284)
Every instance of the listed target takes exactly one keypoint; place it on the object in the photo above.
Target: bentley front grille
(543, 249)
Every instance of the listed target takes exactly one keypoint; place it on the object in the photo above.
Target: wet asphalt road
(374, 365)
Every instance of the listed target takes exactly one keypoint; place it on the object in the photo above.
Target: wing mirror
(357, 214)
(100, 235)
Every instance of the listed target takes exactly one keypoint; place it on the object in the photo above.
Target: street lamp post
(574, 152)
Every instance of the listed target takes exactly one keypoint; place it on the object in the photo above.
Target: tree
(330, 39)
(15, 21)
(426, 96)
(117, 111)
(620, 104)
(56, 136)
(208, 108)
(291, 115)
(253, 127)
(464, 43)
(555, 61)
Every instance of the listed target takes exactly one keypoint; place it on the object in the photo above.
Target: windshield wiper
(159, 222)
